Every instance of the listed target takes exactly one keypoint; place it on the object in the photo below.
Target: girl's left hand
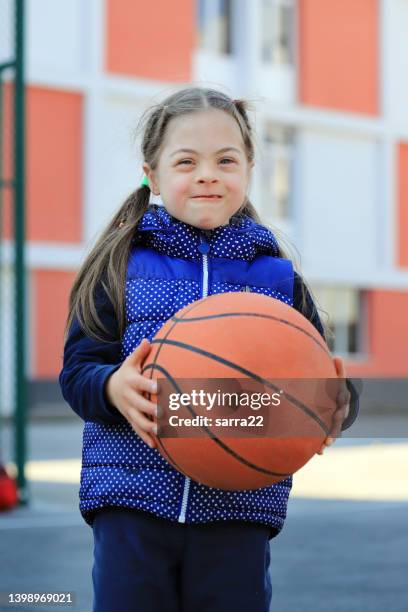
(343, 406)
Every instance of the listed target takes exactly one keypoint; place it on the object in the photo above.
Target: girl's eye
(189, 161)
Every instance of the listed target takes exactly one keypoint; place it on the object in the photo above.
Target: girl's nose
(207, 179)
(206, 173)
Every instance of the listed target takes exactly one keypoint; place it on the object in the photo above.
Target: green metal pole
(20, 289)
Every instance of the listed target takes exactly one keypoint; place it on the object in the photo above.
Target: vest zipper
(205, 275)
(182, 516)
(203, 248)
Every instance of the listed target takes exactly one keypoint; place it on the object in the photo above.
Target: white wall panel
(338, 204)
(57, 35)
(210, 70)
(395, 61)
(6, 30)
(113, 167)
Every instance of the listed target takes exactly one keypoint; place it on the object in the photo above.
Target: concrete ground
(344, 546)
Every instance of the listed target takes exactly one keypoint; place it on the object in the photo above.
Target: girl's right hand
(124, 389)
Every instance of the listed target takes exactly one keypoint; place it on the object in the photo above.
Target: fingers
(343, 408)
(339, 416)
(143, 426)
(138, 402)
(337, 421)
(144, 384)
(343, 397)
(149, 440)
(139, 354)
(142, 415)
(327, 442)
(340, 367)
(130, 390)
(142, 423)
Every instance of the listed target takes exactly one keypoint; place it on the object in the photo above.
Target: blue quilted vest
(172, 264)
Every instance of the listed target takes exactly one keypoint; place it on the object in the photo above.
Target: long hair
(105, 267)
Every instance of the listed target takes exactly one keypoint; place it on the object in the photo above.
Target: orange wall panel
(54, 165)
(388, 335)
(338, 54)
(153, 40)
(402, 215)
(51, 290)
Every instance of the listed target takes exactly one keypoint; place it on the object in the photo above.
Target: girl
(163, 542)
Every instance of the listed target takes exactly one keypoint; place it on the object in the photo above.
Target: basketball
(211, 359)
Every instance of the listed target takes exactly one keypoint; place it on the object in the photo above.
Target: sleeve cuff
(107, 412)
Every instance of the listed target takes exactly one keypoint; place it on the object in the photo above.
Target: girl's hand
(343, 406)
(124, 389)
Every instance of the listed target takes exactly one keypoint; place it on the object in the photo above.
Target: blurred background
(326, 81)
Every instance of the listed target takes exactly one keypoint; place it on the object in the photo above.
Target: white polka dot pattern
(118, 468)
(225, 287)
(241, 239)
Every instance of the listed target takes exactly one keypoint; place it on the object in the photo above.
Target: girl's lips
(213, 197)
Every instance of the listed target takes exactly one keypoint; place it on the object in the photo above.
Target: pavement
(344, 546)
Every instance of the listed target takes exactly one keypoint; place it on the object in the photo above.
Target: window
(278, 25)
(344, 305)
(214, 26)
(277, 172)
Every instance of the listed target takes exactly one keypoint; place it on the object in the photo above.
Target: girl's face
(203, 172)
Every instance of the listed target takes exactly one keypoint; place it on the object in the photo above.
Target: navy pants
(143, 563)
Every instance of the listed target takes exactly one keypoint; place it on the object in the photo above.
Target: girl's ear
(151, 178)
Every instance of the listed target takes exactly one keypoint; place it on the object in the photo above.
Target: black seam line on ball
(210, 433)
(193, 305)
(260, 379)
(253, 314)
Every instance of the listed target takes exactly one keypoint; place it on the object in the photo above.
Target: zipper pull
(203, 247)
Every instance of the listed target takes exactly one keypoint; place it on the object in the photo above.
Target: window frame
(361, 322)
(270, 152)
(276, 5)
(209, 9)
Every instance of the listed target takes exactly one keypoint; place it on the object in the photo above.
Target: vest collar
(242, 238)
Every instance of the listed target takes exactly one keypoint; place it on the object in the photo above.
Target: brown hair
(106, 265)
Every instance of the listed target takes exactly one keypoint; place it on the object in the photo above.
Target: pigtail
(103, 273)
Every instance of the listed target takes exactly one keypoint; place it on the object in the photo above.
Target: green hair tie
(144, 182)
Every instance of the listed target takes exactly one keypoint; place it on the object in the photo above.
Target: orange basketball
(247, 390)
